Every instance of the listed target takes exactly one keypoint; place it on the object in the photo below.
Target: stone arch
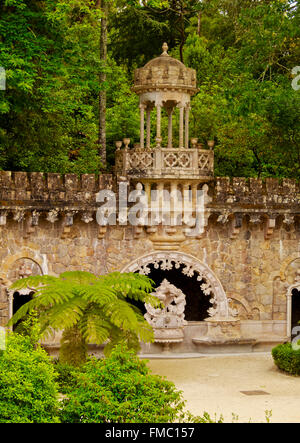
(23, 254)
(287, 263)
(211, 286)
(17, 267)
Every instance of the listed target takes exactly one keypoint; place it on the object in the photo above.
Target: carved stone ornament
(295, 285)
(223, 218)
(18, 215)
(87, 217)
(208, 282)
(172, 314)
(167, 322)
(52, 216)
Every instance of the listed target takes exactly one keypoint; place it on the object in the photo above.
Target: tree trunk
(102, 78)
(199, 24)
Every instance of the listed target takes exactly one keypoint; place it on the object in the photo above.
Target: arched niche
(21, 268)
(189, 266)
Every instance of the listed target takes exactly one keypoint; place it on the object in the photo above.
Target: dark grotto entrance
(295, 308)
(197, 303)
(18, 301)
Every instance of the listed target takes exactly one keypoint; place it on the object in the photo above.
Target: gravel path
(214, 384)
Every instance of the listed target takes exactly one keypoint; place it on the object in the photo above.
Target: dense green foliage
(66, 376)
(244, 52)
(286, 358)
(121, 389)
(101, 308)
(28, 388)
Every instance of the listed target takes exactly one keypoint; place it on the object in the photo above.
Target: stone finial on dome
(165, 48)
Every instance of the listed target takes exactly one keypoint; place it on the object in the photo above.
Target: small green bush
(28, 390)
(66, 376)
(286, 358)
(121, 389)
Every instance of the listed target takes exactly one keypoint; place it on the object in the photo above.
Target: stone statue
(172, 315)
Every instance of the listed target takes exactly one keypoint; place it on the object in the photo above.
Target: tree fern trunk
(73, 348)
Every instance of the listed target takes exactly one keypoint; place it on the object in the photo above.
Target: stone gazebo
(165, 82)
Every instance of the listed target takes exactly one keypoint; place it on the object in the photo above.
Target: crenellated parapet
(39, 189)
(55, 197)
(254, 192)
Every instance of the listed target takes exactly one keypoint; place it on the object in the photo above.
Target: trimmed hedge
(286, 358)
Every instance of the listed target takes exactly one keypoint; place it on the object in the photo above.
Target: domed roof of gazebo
(165, 73)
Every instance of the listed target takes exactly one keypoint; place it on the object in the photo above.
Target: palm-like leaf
(98, 305)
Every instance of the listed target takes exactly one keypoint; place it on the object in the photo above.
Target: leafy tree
(243, 51)
(47, 113)
(100, 307)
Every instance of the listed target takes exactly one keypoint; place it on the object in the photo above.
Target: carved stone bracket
(3, 216)
(87, 217)
(101, 232)
(236, 225)
(288, 219)
(35, 215)
(32, 222)
(270, 226)
(223, 217)
(138, 231)
(52, 216)
(68, 222)
(255, 219)
(18, 215)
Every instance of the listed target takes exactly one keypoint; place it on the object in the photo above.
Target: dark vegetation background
(243, 50)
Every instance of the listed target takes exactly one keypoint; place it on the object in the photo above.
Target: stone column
(170, 128)
(142, 125)
(187, 119)
(160, 191)
(181, 126)
(148, 192)
(158, 125)
(148, 135)
(174, 203)
(194, 195)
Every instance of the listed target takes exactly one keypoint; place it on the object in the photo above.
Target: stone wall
(251, 242)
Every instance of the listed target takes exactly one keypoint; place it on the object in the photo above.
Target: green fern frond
(78, 277)
(99, 306)
(33, 282)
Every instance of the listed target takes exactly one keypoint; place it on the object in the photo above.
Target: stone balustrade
(166, 163)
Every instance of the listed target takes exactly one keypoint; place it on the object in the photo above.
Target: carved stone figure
(172, 315)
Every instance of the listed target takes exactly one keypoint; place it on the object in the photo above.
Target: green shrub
(286, 358)
(66, 376)
(28, 391)
(121, 389)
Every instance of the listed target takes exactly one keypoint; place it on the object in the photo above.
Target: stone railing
(165, 163)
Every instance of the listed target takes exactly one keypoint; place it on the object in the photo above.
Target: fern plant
(99, 306)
